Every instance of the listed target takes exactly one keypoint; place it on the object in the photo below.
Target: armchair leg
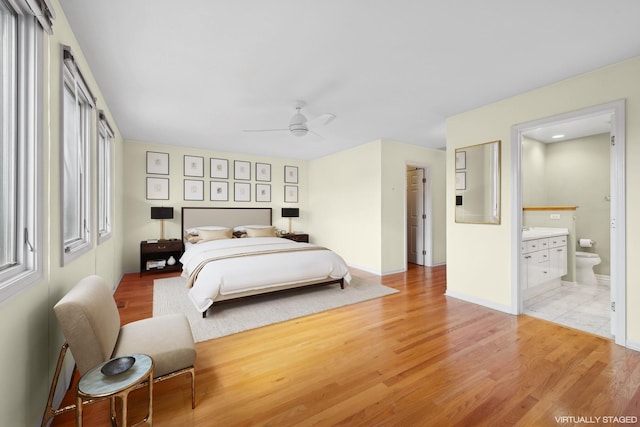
(49, 412)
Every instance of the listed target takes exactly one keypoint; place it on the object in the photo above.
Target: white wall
(479, 257)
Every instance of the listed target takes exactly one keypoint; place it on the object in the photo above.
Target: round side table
(95, 385)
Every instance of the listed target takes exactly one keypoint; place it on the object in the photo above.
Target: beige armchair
(90, 322)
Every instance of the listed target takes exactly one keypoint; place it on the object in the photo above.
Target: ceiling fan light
(298, 129)
(297, 119)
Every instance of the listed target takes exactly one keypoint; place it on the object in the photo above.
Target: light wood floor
(415, 358)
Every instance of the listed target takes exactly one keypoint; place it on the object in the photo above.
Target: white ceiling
(572, 129)
(198, 72)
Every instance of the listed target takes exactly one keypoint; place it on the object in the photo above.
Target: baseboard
(603, 279)
(489, 304)
(633, 345)
(365, 269)
(386, 273)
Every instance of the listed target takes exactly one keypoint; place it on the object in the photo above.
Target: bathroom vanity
(544, 258)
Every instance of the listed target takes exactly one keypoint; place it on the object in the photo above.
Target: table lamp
(290, 213)
(161, 213)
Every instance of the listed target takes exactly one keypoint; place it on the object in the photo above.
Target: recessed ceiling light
(558, 136)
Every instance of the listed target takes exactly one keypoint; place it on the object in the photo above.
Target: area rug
(170, 296)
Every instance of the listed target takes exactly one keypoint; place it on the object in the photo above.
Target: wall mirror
(477, 183)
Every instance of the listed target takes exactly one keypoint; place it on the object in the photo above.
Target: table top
(95, 384)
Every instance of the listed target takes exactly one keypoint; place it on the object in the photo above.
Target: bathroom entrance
(570, 176)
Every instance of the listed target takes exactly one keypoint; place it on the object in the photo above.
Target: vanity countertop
(542, 232)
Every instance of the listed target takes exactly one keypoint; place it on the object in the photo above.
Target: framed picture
(193, 189)
(220, 191)
(193, 166)
(219, 168)
(291, 174)
(461, 180)
(263, 192)
(157, 188)
(242, 170)
(241, 192)
(263, 172)
(157, 163)
(461, 160)
(291, 194)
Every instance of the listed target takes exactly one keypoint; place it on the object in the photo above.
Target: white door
(416, 252)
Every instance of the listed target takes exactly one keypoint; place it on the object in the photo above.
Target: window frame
(26, 139)
(73, 81)
(105, 178)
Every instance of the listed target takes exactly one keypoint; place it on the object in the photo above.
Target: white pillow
(243, 228)
(194, 231)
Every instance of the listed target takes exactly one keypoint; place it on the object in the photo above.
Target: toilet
(585, 261)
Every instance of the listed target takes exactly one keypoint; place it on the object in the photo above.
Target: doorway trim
(618, 206)
(428, 210)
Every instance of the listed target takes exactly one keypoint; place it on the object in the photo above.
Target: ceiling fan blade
(317, 135)
(322, 119)
(265, 130)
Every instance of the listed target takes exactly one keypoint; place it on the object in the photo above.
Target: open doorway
(583, 222)
(418, 218)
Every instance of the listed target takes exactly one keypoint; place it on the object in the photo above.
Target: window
(105, 143)
(77, 119)
(20, 148)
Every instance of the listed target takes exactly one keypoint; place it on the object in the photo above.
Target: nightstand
(155, 257)
(297, 237)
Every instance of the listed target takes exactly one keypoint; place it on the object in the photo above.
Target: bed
(232, 253)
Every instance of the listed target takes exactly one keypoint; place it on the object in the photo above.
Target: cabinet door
(558, 261)
(539, 268)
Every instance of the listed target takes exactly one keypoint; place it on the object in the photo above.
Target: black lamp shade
(161, 213)
(290, 212)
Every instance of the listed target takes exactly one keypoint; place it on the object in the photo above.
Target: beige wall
(479, 257)
(395, 158)
(137, 221)
(28, 329)
(346, 204)
(359, 203)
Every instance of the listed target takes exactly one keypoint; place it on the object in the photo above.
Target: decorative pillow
(192, 238)
(261, 232)
(207, 235)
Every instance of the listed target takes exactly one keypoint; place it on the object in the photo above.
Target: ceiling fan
(299, 125)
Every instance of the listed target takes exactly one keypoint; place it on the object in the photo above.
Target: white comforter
(231, 274)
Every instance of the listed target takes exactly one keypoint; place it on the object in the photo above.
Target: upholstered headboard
(225, 217)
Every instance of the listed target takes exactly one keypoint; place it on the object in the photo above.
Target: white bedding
(231, 275)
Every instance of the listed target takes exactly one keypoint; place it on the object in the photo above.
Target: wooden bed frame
(193, 217)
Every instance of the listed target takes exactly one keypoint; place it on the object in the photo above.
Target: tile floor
(579, 307)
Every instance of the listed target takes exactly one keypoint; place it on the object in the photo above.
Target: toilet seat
(586, 255)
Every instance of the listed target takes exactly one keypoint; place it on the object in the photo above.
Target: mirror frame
(460, 171)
